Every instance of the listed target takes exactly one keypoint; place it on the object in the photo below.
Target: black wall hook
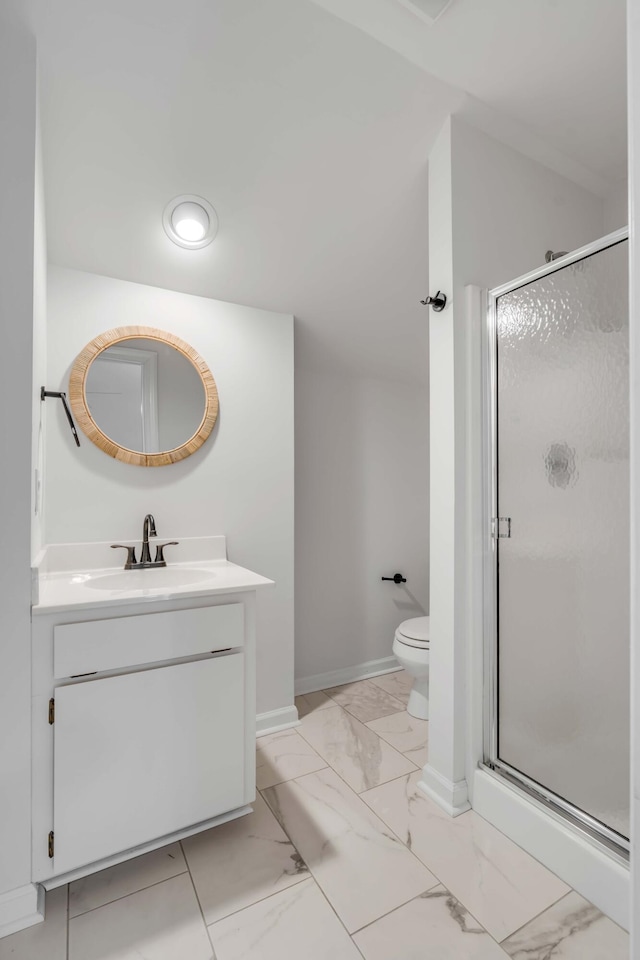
(438, 303)
(397, 578)
(62, 396)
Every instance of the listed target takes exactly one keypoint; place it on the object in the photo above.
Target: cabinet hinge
(50, 846)
(501, 527)
(52, 710)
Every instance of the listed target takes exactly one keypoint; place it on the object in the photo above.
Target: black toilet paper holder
(397, 578)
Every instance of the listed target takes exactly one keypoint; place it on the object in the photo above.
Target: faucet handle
(160, 550)
(131, 554)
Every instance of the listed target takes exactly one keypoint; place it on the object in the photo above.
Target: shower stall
(557, 563)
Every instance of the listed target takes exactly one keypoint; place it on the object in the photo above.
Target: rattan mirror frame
(80, 407)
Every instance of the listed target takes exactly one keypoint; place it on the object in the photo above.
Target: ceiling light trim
(168, 222)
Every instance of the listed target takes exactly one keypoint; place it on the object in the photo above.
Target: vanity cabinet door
(139, 756)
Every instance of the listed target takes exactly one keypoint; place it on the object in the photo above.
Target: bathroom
(347, 441)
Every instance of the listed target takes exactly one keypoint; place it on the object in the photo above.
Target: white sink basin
(76, 578)
(163, 578)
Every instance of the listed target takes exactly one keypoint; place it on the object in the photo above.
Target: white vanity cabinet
(143, 728)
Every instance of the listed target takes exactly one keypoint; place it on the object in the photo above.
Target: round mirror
(143, 396)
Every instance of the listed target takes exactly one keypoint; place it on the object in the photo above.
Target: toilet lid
(415, 629)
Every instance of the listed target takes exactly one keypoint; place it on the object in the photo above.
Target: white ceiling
(309, 137)
(556, 66)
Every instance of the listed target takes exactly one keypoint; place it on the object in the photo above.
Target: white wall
(446, 676)
(361, 513)
(509, 210)
(240, 483)
(361, 478)
(493, 214)
(634, 275)
(39, 350)
(616, 208)
(321, 197)
(17, 178)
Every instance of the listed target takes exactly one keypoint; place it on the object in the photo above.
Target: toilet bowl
(411, 650)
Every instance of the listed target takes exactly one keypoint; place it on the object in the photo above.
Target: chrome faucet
(146, 563)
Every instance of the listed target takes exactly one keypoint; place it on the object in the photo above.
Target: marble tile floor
(343, 858)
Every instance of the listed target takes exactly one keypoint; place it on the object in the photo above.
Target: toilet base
(415, 660)
(418, 705)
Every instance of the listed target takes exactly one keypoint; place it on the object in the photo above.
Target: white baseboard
(451, 796)
(274, 720)
(561, 848)
(362, 671)
(21, 908)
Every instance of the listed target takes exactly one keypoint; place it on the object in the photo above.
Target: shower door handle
(502, 528)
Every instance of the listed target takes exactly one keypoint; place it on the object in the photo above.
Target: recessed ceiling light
(190, 221)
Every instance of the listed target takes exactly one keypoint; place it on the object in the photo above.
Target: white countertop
(84, 589)
(112, 586)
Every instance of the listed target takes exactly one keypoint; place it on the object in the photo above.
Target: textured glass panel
(563, 478)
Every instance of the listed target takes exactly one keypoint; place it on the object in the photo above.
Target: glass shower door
(562, 460)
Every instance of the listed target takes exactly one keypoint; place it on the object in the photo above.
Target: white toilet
(411, 649)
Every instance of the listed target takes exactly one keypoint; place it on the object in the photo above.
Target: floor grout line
(330, 765)
(360, 796)
(401, 776)
(313, 877)
(267, 896)
(338, 917)
(348, 785)
(386, 740)
(353, 683)
(310, 875)
(498, 943)
(68, 920)
(365, 722)
(405, 844)
(388, 716)
(325, 766)
(539, 914)
(404, 904)
(446, 887)
(385, 825)
(195, 892)
(439, 880)
(356, 946)
(124, 896)
(311, 747)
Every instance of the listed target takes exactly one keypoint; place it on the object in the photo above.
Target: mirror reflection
(145, 395)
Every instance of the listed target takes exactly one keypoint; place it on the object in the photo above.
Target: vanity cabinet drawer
(99, 645)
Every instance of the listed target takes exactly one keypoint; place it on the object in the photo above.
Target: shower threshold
(612, 842)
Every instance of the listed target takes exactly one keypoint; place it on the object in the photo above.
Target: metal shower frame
(612, 841)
